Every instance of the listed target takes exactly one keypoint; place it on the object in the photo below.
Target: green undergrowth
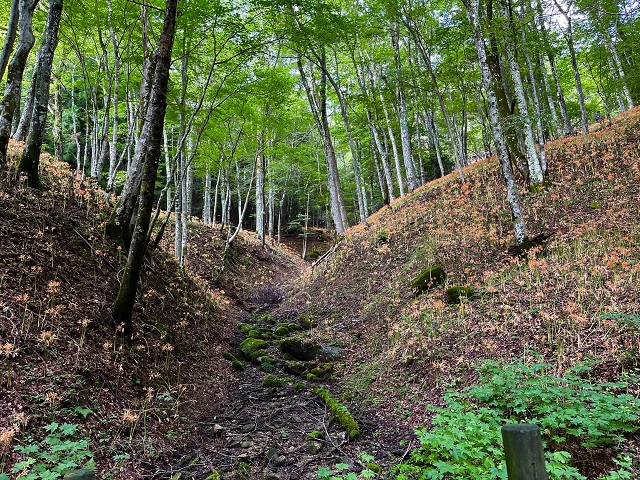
(573, 413)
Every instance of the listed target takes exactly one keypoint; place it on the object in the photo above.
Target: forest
(426, 207)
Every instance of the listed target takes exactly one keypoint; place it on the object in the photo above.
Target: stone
(429, 279)
(217, 429)
(251, 345)
(455, 295)
(279, 461)
(249, 427)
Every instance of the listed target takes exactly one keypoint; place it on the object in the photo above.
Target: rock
(298, 349)
(429, 279)
(82, 474)
(281, 331)
(271, 381)
(248, 428)
(456, 294)
(271, 455)
(251, 345)
(245, 444)
(278, 462)
(217, 429)
(306, 322)
(237, 365)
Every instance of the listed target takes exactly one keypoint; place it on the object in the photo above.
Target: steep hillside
(574, 297)
(65, 374)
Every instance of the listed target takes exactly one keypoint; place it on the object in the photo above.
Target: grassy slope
(403, 350)
(58, 278)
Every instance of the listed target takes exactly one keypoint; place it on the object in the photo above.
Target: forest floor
(173, 406)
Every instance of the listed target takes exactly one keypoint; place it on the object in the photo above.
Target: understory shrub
(465, 440)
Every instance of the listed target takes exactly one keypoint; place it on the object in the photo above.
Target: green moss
(258, 356)
(299, 387)
(254, 333)
(237, 365)
(316, 435)
(429, 279)
(271, 381)
(340, 413)
(228, 356)
(311, 377)
(250, 345)
(292, 326)
(375, 468)
(245, 328)
(295, 367)
(269, 364)
(456, 294)
(313, 255)
(281, 331)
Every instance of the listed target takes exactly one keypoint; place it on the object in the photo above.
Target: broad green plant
(60, 452)
(465, 440)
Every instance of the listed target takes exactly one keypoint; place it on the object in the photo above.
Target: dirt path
(276, 433)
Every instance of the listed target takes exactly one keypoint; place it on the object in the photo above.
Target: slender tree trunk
(431, 126)
(57, 122)
(568, 128)
(260, 203)
(620, 71)
(574, 64)
(30, 161)
(148, 147)
(14, 75)
(513, 196)
(318, 103)
(405, 135)
(10, 37)
(394, 147)
(535, 170)
(76, 134)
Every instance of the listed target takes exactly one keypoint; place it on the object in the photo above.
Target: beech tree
(148, 151)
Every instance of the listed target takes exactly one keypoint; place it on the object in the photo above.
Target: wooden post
(523, 452)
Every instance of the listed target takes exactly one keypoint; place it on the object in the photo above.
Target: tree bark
(15, 74)
(148, 149)
(10, 37)
(30, 161)
(513, 196)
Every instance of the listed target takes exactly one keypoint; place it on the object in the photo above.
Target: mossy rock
(429, 279)
(246, 328)
(268, 363)
(375, 468)
(311, 377)
(456, 294)
(259, 356)
(281, 331)
(254, 333)
(296, 367)
(237, 365)
(339, 412)
(299, 387)
(271, 381)
(299, 349)
(250, 345)
(293, 327)
(228, 356)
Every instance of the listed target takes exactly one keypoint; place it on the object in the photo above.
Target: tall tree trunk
(574, 64)
(513, 196)
(57, 122)
(148, 148)
(535, 170)
(394, 147)
(568, 128)
(405, 135)
(30, 161)
(260, 203)
(620, 71)
(317, 96)
(10, 37)
(14, 75)
(430, 124)
(76, 134)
